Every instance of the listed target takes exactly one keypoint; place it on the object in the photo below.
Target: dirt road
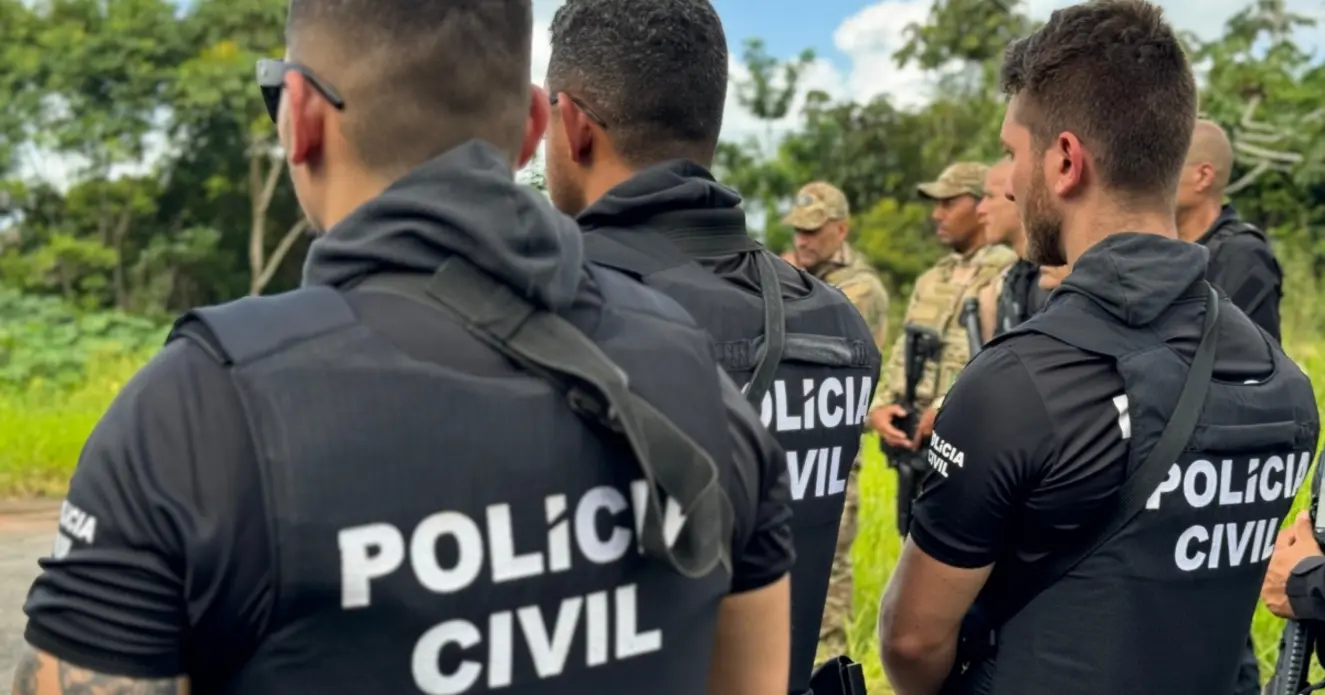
(26, 532)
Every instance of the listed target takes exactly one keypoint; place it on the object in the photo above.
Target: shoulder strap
(250, 328)
(775, 331)
(643, 255)
(663, 253)
(1149, 475)
(555, 350)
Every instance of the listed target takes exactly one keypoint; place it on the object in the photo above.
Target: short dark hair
(420, 77)
(655, 71)
(1114, 73)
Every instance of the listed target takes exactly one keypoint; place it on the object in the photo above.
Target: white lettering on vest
(1234, 482)
(1215, 544)
(606, 622)
(827, 404)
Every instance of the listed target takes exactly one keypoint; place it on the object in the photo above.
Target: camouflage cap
(817, 203)
(962, 178)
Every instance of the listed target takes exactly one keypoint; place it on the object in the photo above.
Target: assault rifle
(1298, 640)
(921, 345)
(971, 321)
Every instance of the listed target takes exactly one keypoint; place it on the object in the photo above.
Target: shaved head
(1210, 146)
(419, 77)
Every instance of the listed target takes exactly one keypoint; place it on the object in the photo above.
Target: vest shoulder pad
(622, 293)
(248, 329)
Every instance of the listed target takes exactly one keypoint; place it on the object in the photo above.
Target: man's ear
(304, 115)
(535, 125)
(1205, 177)
(1065, 165)
(580, 130)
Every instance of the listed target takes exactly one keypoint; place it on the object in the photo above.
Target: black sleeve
(159, 510)
(1247, 272)
(765, 551)
(1306, 589)
(985, 456)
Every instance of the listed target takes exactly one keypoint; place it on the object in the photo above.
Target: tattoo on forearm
(41, 673)
(80, 681)
(25, 676)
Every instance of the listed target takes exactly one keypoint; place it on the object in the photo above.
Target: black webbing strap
(1141, 483)
(774, 344)
(775, 331)
(555, 350)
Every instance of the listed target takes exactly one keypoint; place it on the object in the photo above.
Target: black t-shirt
(1030, 477)
(165, 554)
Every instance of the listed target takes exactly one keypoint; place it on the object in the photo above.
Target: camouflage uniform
(816, 204)
(936, 301)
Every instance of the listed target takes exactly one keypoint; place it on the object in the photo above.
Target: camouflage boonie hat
(962, 178)
(817, 203)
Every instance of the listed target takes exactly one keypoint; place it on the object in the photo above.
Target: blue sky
(855, 39)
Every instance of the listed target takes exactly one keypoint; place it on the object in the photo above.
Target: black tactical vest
(1163, 606)
(1021, 297)
(1252, 290)
(456, 527)
(819, 396)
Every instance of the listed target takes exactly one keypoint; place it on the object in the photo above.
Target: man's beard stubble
(1043, 225)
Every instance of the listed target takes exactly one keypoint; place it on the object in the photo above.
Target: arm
(39, 673)
(962, 519)
(149, 515)
(752, 653)
(893, 377)
(988, 298)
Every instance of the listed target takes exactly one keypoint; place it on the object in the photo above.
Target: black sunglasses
(553, 98)
(271, 79)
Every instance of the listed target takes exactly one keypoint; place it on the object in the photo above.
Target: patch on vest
(603, 625)
(823, 404)
(1266, 481)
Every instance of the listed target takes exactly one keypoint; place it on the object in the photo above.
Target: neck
(347, 193)
(1019, 243)
(1093, 225)
(1196, 221)
(603, 177)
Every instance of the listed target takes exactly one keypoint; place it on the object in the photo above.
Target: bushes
(42, 428)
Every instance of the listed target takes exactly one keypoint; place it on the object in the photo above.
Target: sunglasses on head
(271, 79)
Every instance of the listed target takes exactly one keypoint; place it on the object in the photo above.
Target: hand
(1294, 544)
(881, 420)
(924, 428)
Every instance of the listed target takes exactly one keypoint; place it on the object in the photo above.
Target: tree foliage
(141, 175)
(1256, 82)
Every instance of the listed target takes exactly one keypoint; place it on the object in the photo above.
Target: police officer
(821, 218)
(1242, 264)
(639, 92)
(936, 302)
(1076, 536)
(1018, 290)
(322, 492)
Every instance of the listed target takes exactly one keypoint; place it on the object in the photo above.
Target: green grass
(42, 428)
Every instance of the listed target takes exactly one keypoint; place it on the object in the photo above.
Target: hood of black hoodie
(673, 185)
(465, 202)
(1137, 277)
